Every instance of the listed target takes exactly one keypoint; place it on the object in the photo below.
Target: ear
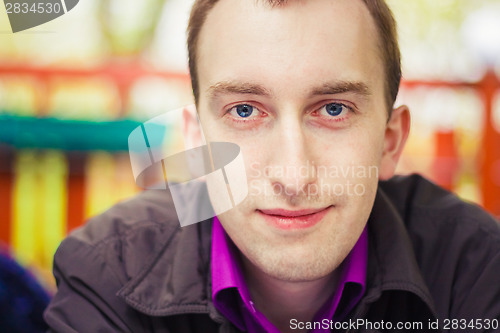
(191, 128)
(396, 133)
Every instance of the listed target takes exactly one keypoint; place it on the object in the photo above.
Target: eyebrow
(233, 87)
(340, 87)
(329, 88)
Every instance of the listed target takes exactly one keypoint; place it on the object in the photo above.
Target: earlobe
(396, 134)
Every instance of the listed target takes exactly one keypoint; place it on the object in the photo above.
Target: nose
(291, 169)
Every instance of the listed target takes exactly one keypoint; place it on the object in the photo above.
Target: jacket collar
(392, 264)
(178, 279)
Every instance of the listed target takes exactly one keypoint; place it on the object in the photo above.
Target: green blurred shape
(52, 133)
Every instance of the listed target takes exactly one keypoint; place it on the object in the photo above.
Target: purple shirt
(232, 298)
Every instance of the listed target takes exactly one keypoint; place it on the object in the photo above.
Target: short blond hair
(379, 10)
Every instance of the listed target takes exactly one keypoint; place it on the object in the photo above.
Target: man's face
(300, 88)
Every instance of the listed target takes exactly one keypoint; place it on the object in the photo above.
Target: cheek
(370, 144)
(358, 146)
(352, 167)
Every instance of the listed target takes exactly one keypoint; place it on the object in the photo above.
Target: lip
(293, 219)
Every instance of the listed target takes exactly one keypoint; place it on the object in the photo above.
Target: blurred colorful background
(73, 89)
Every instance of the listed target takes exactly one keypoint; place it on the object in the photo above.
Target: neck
(280, 301)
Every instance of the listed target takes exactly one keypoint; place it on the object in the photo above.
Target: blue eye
(244, 110)
(334, 109)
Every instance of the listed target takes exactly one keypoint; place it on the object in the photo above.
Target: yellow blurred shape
(91, 99)
(19, 96)
(109, 180)
(39, 206)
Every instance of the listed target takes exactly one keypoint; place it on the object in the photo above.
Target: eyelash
(330, 118)
(249, 119)
(316, 112)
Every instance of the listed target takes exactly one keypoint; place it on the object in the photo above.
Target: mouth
(293, 219)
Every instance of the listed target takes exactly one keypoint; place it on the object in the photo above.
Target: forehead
(289, 47)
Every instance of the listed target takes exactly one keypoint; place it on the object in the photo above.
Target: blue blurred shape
(22, 299)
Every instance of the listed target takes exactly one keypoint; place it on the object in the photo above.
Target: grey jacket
(432, 258)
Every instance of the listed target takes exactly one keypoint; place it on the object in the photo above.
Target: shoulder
(123, 239)
(114, 268)
(424, 205)
(456, 244)
(149, 210)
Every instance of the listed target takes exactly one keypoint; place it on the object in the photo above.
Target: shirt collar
(226, 275)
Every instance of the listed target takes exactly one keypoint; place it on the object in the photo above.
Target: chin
(297, 263)
(297, 256)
